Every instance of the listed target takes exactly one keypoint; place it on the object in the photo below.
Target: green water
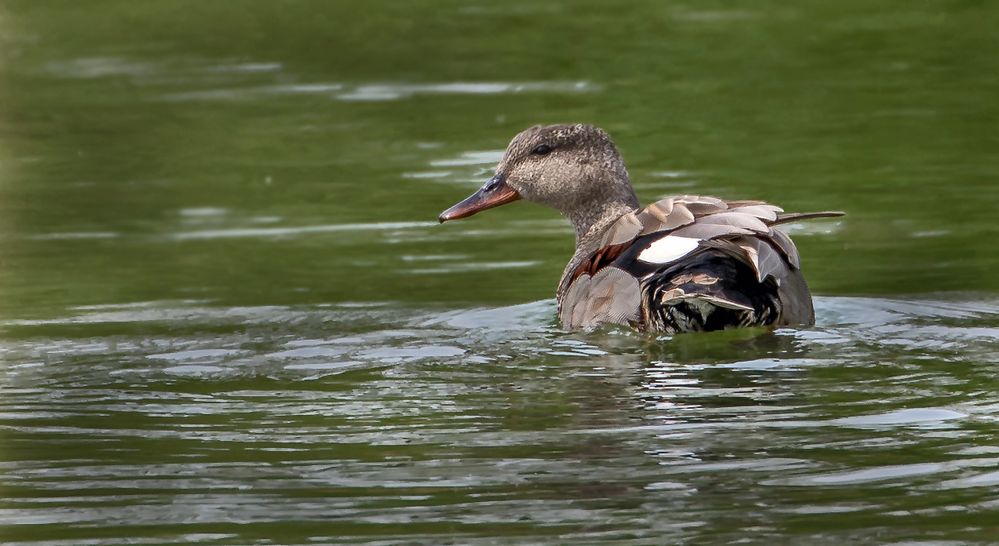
(228, 316)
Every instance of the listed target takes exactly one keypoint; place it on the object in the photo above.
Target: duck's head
(575, 169)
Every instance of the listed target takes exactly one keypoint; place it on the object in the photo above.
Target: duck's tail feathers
(789, 217)
(710, 291)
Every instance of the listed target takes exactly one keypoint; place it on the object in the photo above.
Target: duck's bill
(493, 193)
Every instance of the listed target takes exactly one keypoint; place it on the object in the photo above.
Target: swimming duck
(682, 264)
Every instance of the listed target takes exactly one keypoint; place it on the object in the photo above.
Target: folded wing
(693, 252)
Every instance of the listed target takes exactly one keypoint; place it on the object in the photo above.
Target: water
(227, 315)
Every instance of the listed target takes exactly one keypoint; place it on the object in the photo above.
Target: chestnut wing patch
(600, 259)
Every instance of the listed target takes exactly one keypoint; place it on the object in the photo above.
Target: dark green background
(886, 110)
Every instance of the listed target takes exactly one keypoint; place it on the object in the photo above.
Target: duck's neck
(591, 223)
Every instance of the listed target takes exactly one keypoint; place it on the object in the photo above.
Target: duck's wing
(641, 260)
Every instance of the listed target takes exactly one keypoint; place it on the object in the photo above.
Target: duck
(685, 263)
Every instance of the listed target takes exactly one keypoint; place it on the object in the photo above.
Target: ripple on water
(397, 91)
(363, 414)
(472, 158)
(904, 417)
(375, 92)
(193, 369)
(290, 231)
(199, 354)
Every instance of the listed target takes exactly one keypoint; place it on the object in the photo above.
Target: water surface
(228, 316)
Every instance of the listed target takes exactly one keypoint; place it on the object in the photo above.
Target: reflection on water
(346, 418)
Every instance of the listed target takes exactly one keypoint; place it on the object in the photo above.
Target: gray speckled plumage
(583, 177)
(683, 263)
(610, 296)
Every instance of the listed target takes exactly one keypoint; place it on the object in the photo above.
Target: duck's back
(690, 263)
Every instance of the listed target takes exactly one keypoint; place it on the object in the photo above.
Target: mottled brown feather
(599, 292)
(737, 220)
(767, 213)
(786, 246)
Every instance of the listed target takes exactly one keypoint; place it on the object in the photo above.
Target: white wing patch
(668, 249)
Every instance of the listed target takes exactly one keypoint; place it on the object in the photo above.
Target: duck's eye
(541, 149)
